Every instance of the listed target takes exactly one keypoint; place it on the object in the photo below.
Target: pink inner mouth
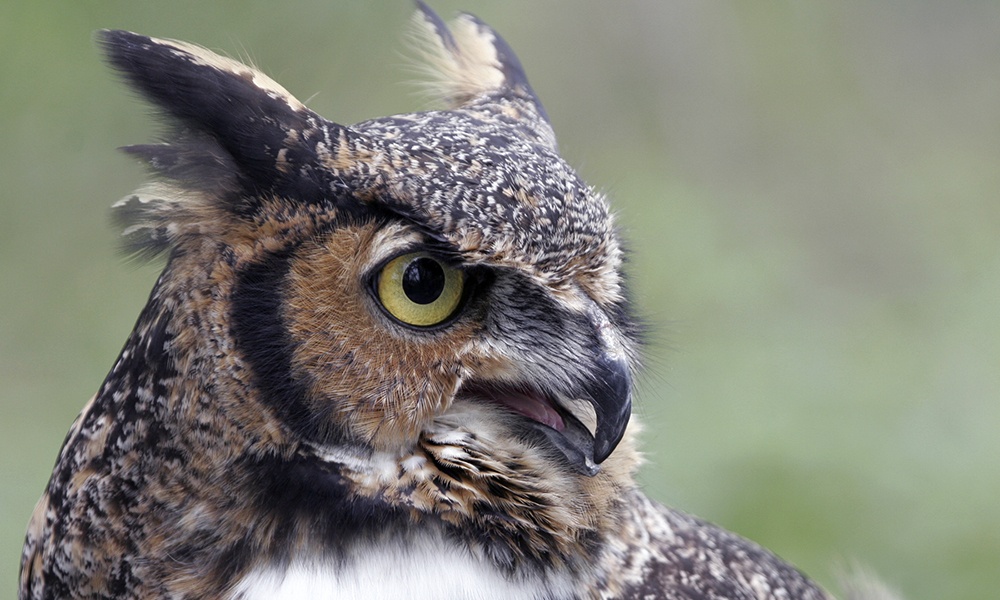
(524, 401)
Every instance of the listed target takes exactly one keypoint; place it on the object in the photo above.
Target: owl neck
(331, 505)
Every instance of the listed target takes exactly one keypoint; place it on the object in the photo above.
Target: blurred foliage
(812, 194)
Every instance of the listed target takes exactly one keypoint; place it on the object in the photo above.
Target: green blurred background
(811, 191)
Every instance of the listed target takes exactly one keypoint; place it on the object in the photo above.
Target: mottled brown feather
(266, 409)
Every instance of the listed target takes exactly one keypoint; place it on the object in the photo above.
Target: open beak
(608, 388)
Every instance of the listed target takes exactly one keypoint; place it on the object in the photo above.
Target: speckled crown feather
(483, 174)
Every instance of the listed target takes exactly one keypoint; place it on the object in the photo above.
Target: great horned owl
(392, 359)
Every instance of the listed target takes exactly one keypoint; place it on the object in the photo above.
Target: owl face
(391, 276)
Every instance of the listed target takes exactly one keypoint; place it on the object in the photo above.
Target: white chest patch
(428, 568)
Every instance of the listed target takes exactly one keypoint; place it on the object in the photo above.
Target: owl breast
(428, 567)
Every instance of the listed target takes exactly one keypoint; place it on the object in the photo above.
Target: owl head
(370, 283)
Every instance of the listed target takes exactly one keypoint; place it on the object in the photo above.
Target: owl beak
(610, 393)
(608, 390)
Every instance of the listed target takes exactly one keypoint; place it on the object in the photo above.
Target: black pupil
(423, 280)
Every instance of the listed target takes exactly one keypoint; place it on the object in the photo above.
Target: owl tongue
(533, 405)
(528, 402)
(566, 433)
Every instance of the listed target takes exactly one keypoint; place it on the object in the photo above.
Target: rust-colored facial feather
(380, 381)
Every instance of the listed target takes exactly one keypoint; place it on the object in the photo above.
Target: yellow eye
(420, 290)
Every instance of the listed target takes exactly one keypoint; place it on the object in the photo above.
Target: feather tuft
(465, 61)
(860, 583)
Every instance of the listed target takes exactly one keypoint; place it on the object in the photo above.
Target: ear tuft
(179, 76)
(216, 100)
(238, 140)
(468, 60)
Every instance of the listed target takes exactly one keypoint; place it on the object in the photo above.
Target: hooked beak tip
(610, 392)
